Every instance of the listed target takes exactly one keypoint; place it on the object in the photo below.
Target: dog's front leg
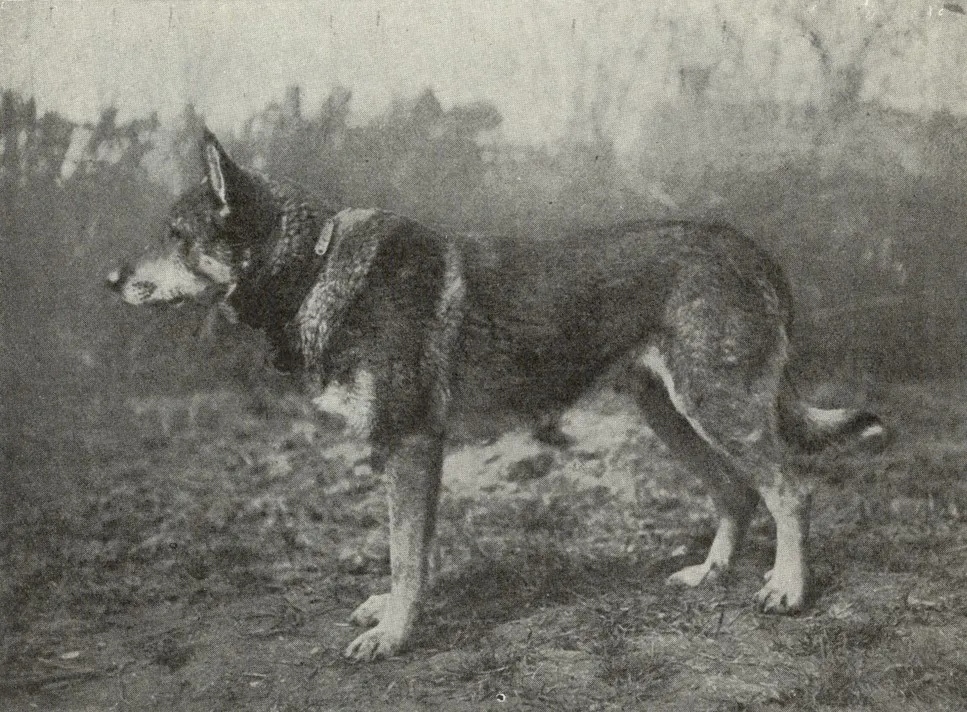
(413, 479)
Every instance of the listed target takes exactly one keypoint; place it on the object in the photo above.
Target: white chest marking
(353, 401)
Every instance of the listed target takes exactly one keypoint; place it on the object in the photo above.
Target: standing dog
(441, 332)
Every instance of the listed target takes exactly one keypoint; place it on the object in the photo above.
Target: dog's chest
(350, 399)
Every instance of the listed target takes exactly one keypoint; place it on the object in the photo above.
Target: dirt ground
(209, 550)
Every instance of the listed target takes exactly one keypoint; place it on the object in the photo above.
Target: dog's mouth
(163, 305)
(213, 296)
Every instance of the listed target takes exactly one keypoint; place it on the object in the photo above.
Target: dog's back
(547, 316)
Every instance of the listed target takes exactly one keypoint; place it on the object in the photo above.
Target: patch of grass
(842, 681)
(636, 675)
(496, 579)
(938, 471)
(831, 636)
(894, 549)
(490, 671)
(171, 653)
(164, 522)
(930, 676)
(847, 678)
(792, 700)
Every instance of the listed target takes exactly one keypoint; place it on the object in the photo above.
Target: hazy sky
(535, 59)
(231, 58)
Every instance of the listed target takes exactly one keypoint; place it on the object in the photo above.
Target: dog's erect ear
(218, 169)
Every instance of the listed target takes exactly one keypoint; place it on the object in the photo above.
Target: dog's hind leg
(788, 500)
(789, 503)
(413, 472)
(734, 411)
(734, 500)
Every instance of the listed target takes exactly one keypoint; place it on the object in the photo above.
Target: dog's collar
(341, 223)
(325, 237)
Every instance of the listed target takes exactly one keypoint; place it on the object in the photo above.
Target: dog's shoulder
(379, 258)
(355, 232)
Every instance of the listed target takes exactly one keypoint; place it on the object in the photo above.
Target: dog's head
(206, 243)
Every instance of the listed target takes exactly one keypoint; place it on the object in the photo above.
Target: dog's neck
(284, 226)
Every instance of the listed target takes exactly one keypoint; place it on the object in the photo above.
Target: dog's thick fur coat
(445, 334)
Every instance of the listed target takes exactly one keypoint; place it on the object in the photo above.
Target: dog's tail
(811, 428)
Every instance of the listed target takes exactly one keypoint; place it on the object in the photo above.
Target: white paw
(781, 594)
(693, 576)
(383, 641)
(370, 612)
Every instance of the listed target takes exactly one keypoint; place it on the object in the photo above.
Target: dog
(439, 335)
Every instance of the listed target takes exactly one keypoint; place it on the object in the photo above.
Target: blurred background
(834, 133)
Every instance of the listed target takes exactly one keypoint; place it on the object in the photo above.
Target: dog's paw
(692, 576)
(781, 595)
(383, 641)
(370, 612)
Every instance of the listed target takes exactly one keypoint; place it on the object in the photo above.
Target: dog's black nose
(116, 278)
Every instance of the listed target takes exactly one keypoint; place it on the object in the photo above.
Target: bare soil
(204, 554)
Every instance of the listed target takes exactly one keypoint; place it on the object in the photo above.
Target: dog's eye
(181, 244)
(173, 234)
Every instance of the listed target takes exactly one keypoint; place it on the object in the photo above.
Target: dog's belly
(473, 414)
(493, 390)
